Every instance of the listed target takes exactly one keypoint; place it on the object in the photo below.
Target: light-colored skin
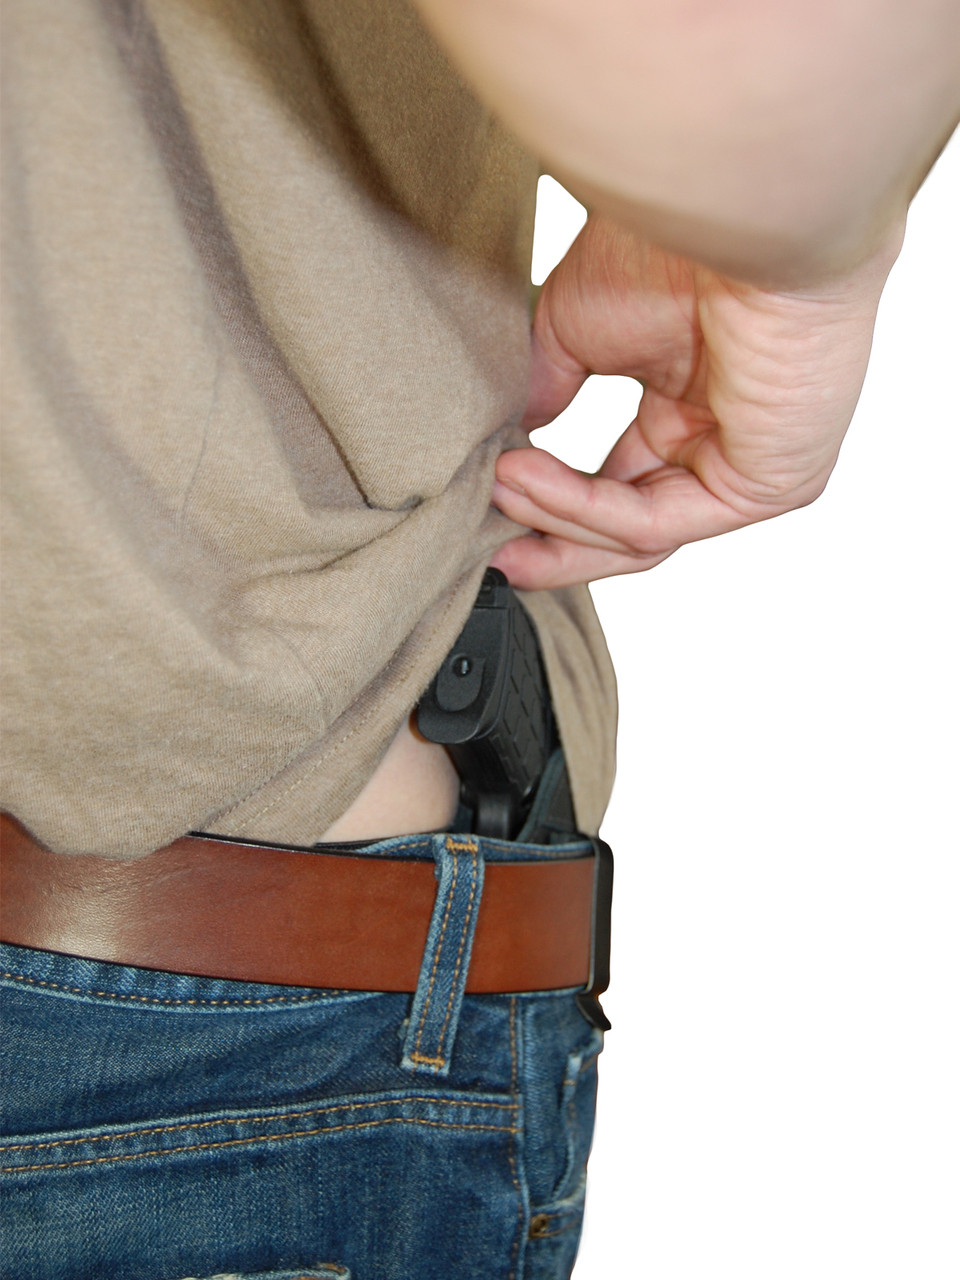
(747, 395)
(414, 788)
(777, 141)
(748, 164)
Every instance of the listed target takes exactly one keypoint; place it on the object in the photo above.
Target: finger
(523, 510)
(666, 509)
(555, 375)
(618, 304)
(756, 464)
(632, 457)
(538, 564)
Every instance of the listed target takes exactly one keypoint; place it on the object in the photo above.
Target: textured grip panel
(490, 705)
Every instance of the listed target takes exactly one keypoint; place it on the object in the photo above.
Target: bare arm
(773, 140)
(749, 164)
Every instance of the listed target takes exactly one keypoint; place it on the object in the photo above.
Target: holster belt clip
(589, 999)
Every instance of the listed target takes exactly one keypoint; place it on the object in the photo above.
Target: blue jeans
(160, 1126)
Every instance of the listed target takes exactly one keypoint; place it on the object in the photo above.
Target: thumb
(555, 375)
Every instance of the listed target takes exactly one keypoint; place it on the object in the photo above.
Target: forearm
(775, 140)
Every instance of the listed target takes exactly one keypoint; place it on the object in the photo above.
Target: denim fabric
(434, 1018)
(159, 1126)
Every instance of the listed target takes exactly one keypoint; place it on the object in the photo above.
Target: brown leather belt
(260, 913)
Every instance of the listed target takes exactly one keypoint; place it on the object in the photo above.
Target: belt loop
(432, 1026)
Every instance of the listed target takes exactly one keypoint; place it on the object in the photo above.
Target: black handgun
(489, 705)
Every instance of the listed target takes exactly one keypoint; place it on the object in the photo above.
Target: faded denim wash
(159, 1126)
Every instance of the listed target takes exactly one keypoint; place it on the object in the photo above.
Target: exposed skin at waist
(414, 788)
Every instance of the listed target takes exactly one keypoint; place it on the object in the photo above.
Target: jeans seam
(563, 1187)
(416, 1056)
(512, 1142)
(119, 995)
(239, 1142)
(261, 1119)
(464, 932)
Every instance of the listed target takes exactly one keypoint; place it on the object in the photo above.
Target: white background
(779, 1095)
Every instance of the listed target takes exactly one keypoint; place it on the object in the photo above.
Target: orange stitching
(240, 1142)
(119, 995)
(422, 1057)
(511, 1158)
(571, 852)
(463, 942)
(513, 1046)
(510, 1143)
(465, 846)
(285, 1115)
(436, 958)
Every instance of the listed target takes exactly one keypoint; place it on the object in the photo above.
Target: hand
(747, 396)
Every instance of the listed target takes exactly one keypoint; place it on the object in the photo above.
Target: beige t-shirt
(265, 333)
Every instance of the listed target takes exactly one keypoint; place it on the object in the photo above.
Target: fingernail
(512, 484)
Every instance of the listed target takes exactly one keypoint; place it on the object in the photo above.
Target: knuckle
(760, 497)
